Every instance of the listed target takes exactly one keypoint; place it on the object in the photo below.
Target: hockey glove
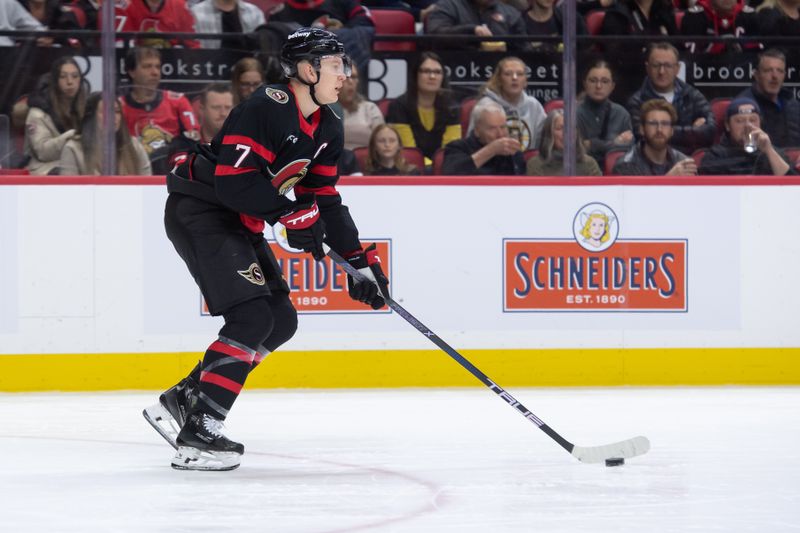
(371, 291)
(305, 230)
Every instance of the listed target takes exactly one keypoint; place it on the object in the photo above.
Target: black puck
(617, 461)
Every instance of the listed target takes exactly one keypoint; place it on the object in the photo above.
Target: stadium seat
(793, 154)
(611, 159)
(553, 104)
(679, 18)
(383, 105)
(719, 106)
(438, 162)
(467, 106)
(594, 21)
(527, 154)
(393, 22)
(698, 156)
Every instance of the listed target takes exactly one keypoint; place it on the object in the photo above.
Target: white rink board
(95, 273)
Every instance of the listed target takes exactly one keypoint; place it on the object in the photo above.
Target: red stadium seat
(527, 154)
(383, 105)
(594, 21)
(719, 106)
(467, 105)
(553, 104)
(393, 22)
(679, 18)
(793, 154)
(611, 159)
(438, 162)
(698, 156)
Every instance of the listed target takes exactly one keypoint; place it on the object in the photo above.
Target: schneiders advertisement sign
(594, 270)
(319, 286)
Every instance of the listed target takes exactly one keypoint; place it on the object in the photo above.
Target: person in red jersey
(159, 16)
(283, 139)
(163, 121)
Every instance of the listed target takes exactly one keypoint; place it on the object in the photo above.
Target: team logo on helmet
(276, 94)
(286, 178)
(253, 274)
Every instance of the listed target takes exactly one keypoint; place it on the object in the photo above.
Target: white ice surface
(453, 460)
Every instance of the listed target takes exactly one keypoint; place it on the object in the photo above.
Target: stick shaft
(460, 359)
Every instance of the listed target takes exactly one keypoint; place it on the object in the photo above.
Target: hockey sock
(225, 368)
(284, 318)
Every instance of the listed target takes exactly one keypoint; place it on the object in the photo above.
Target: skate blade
(162, 421)
(189, 458)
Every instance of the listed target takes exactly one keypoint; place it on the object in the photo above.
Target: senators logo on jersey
(286, 178)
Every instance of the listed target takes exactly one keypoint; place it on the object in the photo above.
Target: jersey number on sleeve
(245, 150)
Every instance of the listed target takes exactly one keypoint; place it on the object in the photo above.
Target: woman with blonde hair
(54, 116)
(550, 159)
(247, 75)
(525, 114)
(83, 155)
(386, 154)
(361, 116)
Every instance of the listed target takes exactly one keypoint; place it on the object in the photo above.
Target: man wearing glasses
(695, 127)
(653, 156)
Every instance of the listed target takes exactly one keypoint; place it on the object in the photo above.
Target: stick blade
(624, 449)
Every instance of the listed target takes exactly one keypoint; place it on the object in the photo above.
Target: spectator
(483, 18)
(386, 154)
(348, 19)
(425, 116)
(156, 16)
(543, 17)
(216, 103)
(247, 75)
(743, 125)
(584, 6)
(54, 116)
(640, 17)
(55, 16)
(227, 16)
(652, 156)
(13, 16)
(83, 154)
(603, 124)
(163, 121)
(550, 159)
(489, 150)
(695, 127)
(779, 17)
(524, 112)
(779, 109)
(360, 115)
(722, 18)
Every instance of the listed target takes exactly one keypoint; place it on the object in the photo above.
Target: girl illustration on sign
(595, 228)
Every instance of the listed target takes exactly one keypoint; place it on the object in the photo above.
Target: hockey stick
(586, 454)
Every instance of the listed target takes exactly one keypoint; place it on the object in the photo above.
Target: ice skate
(169, 414)
(202, 446)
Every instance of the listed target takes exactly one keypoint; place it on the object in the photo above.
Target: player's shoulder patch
(278, 95)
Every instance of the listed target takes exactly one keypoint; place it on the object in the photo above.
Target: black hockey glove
(305, 230)
(371, 291)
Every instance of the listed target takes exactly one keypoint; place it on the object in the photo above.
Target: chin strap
(311, 87)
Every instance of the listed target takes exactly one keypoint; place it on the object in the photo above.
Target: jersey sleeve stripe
(227, 170)
(324, 170)
(328, 190)
(248, 141)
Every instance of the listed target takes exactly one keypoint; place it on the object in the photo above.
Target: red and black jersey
(171, 16)
(159, 122)
(703, 19)
(266, 148)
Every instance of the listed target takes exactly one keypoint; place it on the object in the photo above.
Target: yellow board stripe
(416, 368)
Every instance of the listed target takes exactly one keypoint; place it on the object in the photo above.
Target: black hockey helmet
(310, 44)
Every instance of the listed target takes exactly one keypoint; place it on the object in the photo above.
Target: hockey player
(283, 137)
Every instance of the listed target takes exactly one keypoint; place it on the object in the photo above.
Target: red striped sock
(225, 368)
